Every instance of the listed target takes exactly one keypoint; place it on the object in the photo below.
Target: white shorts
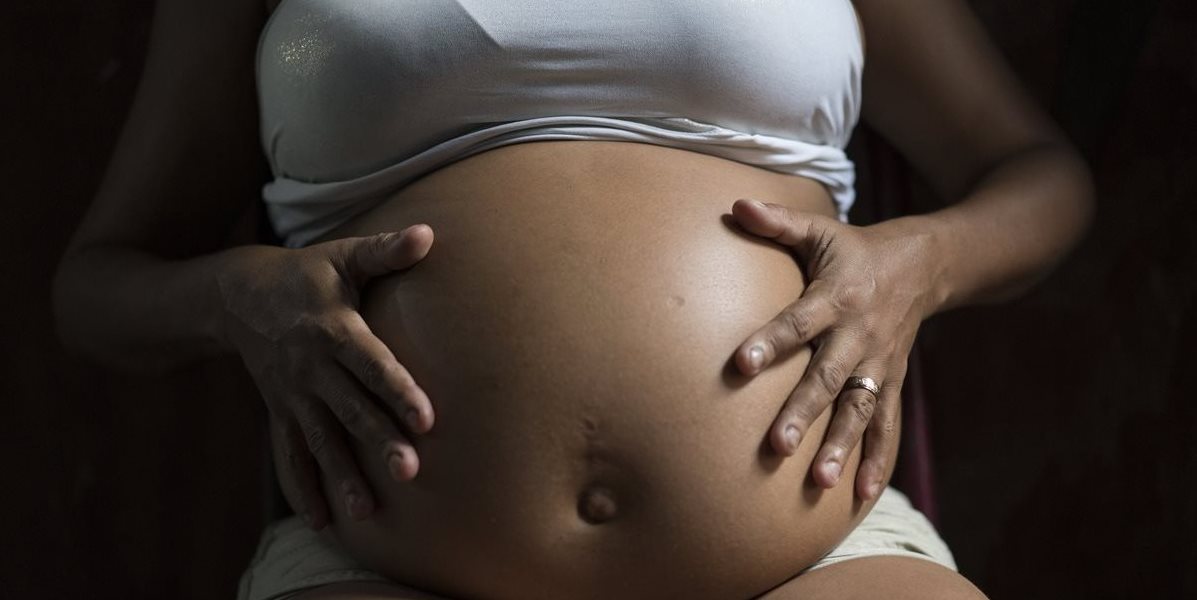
(291, 558)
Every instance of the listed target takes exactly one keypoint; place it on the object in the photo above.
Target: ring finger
(854, 409)
(326, 441)
(298, 473)
(367, 422)
(822, 382)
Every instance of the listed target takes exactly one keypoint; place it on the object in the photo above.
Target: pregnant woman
(645, 356)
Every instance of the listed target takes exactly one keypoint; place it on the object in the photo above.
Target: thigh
(891, 577)
(365, 591)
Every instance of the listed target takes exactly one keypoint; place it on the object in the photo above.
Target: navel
(597, 505)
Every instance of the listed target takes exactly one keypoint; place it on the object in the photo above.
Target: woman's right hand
(293, 316)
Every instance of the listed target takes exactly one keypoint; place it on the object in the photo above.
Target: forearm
(1008, 231)
(131, 309)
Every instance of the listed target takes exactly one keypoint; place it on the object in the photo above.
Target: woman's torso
(574, 321)
(573, 325)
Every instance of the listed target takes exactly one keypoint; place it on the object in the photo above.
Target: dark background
(1062, 423)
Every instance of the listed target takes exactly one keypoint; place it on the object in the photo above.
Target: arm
(940, 93)
(147, 280)
(135, 286)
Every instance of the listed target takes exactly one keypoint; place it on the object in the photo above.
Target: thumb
(375, 255)
(810, 234)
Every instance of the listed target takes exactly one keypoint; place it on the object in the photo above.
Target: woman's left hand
(868, 290)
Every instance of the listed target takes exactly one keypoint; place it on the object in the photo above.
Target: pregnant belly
(573, 326)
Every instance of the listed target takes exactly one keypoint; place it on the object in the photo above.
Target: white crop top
(360, 97)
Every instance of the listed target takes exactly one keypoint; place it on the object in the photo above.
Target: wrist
(229, 277)
(921, 241)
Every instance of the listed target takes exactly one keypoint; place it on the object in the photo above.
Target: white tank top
(360, 97)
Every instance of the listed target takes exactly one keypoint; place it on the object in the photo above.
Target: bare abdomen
(573, 325)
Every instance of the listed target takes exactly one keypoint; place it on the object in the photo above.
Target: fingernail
(395, 464)
(757, 203)
(833, 469)
(792, 437)
(756, 357)
(412, 418)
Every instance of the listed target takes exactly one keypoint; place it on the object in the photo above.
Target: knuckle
(351, 412)
(335, 334)
(831, 376)
(292, 459)
(862, 408)
(888, 429)
(348, 410)
(840, 298)
(802, 413)
(797, 323)
(856, 293)
(373, 372)
(308, 328)
(317, 440)
(874, 339)
(852, 297)
(378, 245)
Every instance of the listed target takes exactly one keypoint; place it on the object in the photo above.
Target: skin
(860, 579)
(589, 422)
(935, 88)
